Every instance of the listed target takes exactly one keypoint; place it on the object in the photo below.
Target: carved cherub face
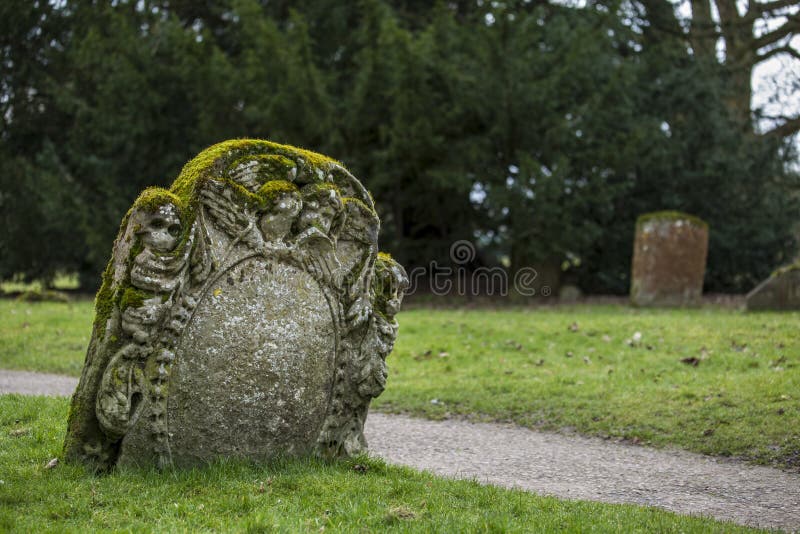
(160, 230)
(320, 208)
(277, 220)
(390, 284)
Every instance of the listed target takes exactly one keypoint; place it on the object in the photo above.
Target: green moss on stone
(668, 215)
(786, 269)
(267, 166)
(273, 189)
(318, 190)
(104, 301)
(153, 198)
(218, 157)
(133, 297)
(361, 205)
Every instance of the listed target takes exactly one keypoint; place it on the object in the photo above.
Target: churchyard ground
(713, 380)
(355, 495)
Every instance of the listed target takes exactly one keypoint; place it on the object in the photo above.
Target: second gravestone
(669, 259)
(781, 291)
(245, 312)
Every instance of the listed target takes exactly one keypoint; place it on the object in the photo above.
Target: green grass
(48, 337)
(742, 398)
(286, 496)
(529, 367)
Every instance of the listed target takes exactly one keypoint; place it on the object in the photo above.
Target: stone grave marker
(781, 291)
(669, 259)
(245, 312)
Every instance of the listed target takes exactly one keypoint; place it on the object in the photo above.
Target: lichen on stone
(670, 215)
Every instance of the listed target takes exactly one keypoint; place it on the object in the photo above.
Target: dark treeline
(537, 131)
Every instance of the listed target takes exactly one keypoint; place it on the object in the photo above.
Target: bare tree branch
(787, 128)
(778, 50)
(728, 13)
(788, 28)
(758, 9)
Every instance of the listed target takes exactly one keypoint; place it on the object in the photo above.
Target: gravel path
(29, 383)
(569, 467)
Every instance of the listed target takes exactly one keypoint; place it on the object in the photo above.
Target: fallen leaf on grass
(360, 468)
(691, 360)
(425, 356)
(778, 362)
(708, 431)
(401, 512)
(574, 327)
(737, 347)
(52, 463)
(19, 432)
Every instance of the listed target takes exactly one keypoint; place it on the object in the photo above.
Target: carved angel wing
(238, 223)
(319, 255)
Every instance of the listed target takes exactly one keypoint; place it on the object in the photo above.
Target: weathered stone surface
(245, 312)
(781, 291)
(669, 259)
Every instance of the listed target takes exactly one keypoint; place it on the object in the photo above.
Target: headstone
(570, 294)
(245, 312)
(781, 291)
(669, 259)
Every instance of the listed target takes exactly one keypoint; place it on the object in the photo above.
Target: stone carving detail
(245, 312)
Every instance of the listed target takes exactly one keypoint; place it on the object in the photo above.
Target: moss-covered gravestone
(245, 312)
(781, 291)
(669, 259)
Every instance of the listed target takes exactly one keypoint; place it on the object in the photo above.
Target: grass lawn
(47, 337)
(287, 496)
(737, 392)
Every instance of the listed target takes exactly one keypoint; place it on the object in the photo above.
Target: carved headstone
(669, 259)
(781, 291)
(245, 312)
